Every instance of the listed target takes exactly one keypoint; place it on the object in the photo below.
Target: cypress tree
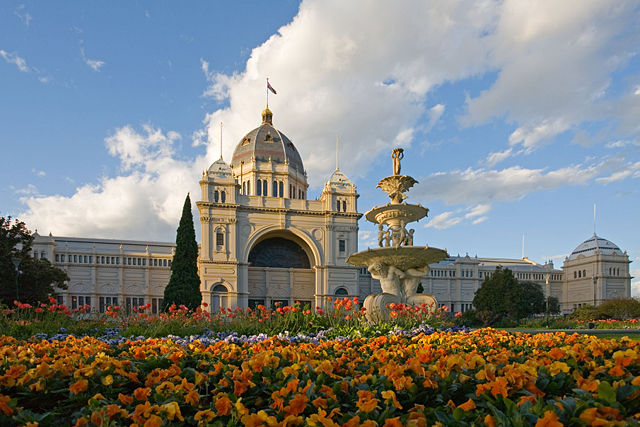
(184, 284)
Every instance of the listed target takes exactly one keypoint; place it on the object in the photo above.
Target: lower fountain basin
(403, 258)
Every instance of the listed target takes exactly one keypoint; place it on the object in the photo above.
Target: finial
(594, 219)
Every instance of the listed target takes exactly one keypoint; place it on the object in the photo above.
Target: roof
(594, 245)
(339, 180)
(265, 143)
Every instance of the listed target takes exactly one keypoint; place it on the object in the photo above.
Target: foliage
(620, 308)
(553, 305)
(585, 313)
(184, 285)
(483, 377)
(36, 277)
(501, 296)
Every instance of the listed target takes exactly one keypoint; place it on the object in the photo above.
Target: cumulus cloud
(145, 203)
(484, 186)
(444, 220)
(14, 58)
(623, 171)
(554, 63)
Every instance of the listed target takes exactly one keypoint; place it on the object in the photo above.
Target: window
(219, 238)
(144, 261)
(35, 255)
(341, 292)
(75, 258)
(281, 188)
(113, 260)
(164, 263)
(275, 189)
(58, 259)
(62, 257)
(248, 188)
(156, 305)
(101, 260)
(86, 259)
(575, 274)
(291, 191)
(584, 273)
(259, 188)
(216, 195)
(254, 303)
(279, 303)
(223, 196)
(118, 260)
(244, 188)
(264, 187)
(338, 205)
(42, 255)
(342, 245)
(344, 206)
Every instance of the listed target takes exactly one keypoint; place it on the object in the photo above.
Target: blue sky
(515, 118)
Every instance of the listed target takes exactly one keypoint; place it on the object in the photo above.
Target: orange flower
(392, 422)
(153, 421)
(366, 401)
(126, 399)
(468, 405)
(142, 393)
(79, 386)
(223, 406)
(4, 405)
(550, 419)
(489, 421)
(206, 415)
(192, 398)
(391, 395)
(297, 405)
(556, 353)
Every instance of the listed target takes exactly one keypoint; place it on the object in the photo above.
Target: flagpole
(220, 140)
(267, 92)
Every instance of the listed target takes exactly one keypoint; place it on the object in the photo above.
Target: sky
(516, 118)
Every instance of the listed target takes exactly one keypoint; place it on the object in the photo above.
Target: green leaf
(606, 392)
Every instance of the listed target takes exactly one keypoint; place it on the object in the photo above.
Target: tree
(184, 284)
(502, 297)
(620, 308)
(37, 278)
(553, 305)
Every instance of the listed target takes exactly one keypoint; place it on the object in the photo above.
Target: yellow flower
(366, 401)
(468, 405)
(391, 395)
(550, 419)
(173, 410)
(108, 380)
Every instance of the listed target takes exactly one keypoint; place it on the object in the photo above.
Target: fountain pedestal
(397, 263)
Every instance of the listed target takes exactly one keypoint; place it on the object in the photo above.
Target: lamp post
(16, 264)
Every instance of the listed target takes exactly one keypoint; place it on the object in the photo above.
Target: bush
(586, 313)
(620, 308)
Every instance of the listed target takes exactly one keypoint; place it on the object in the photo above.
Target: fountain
(397, 263)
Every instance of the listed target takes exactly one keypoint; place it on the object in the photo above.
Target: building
(265, 242)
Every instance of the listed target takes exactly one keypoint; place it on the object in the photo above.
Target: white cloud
(38, 173)
(23, 15)
(497, 157)
(29, 190)
(444, 220)
(554, 63)
(94, 64)
(13, 58)
(624, 171)
(145, 203)
(434, 114)
(484, 186)
(478, 211)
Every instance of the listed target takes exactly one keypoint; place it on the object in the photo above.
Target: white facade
(105, 272)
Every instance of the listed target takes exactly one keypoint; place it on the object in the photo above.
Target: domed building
(596, 270)
(263, 241)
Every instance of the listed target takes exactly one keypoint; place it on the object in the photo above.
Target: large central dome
(265, 143)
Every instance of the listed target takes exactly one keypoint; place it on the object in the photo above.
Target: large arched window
(219, 297)
(279, 253)
(341, 292)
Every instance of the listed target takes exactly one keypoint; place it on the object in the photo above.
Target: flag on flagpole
(271, 88)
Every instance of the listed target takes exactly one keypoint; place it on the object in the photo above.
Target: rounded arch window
(341, 292)
(219, 237)
(278, 252)
(219, 297)
(220, 289)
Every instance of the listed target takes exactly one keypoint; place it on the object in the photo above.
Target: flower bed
(419, 378)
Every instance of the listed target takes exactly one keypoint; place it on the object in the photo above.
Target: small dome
(338, 179)
(265, 143)
(219, 167)
(593, 244)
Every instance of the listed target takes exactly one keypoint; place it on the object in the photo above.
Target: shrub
(620, 308)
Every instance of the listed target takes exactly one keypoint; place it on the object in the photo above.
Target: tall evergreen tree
(184, 284)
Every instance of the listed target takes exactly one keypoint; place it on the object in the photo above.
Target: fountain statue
(397, 263)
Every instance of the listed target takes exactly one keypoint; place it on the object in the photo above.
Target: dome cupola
(595, 245)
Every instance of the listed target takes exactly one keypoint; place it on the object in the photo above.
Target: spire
(594, 219)
(267, 117)
(220, 140)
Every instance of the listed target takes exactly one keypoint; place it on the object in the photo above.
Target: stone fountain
(398, 264)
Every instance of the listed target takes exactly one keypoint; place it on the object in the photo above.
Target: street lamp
(16, 264)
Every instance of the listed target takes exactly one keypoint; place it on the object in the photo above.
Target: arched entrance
(280, 271)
